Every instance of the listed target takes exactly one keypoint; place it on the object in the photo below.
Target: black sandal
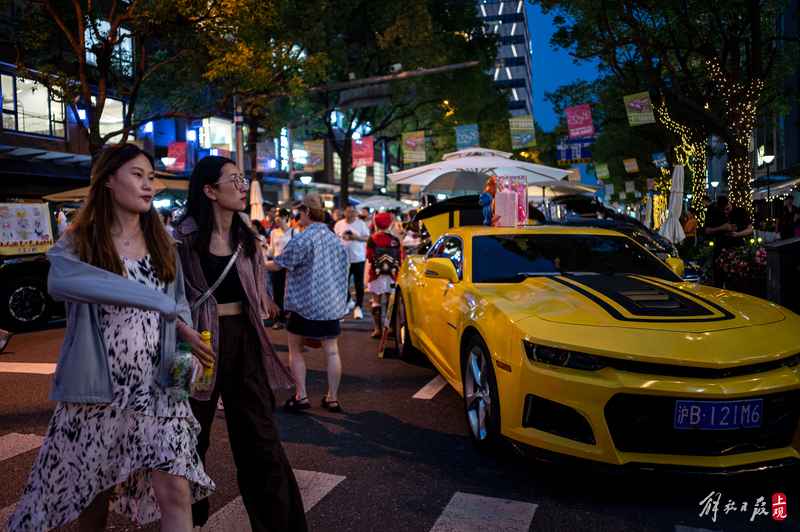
(295, 405)
(331, 406)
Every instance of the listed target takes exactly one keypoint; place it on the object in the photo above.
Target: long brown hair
(91, 230)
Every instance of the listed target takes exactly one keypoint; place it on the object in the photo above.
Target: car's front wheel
(402, 336)
(481, 400)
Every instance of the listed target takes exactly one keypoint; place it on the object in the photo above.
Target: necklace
(126, 242)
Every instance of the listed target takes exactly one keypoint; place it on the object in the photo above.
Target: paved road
(398, 459)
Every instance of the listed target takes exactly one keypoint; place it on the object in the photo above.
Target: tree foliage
(712, 64)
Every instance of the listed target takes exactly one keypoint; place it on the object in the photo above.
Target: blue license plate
(718, 415)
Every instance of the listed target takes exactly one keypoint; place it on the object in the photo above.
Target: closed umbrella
(256, 202)
(672, 229)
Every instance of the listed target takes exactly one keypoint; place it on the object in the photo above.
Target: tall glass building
(512, 71)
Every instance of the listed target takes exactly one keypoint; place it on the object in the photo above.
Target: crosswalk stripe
(475, 513)
(39, 368)
(681, 528)
(431, 389)
(13, 444)
(314, 486)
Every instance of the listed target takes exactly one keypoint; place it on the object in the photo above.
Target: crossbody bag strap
(219, 280)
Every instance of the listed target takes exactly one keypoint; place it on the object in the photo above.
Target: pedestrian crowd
(156, 307)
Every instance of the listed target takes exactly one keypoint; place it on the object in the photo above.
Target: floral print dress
(91, 448)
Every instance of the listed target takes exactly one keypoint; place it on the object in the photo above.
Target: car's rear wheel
(481, 400)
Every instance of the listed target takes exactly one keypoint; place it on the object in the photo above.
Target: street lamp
(714, 185)
(768, 161)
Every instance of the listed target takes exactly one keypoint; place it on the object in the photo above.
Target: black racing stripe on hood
(647, 302)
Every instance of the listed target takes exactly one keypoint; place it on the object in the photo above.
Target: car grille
(644, 424)
(672, 370)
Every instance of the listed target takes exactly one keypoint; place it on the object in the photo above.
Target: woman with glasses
(225, 285)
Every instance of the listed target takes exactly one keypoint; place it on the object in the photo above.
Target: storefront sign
(630, 186)
(265, 156)
(660, 160)
(579, 121)
(601, 171)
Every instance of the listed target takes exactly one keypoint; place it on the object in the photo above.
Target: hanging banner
(630, 186)
(25, 228)
(574, 151)
(660, 160)
(414, 147)
(177, 151)
(609, 189)
(467, 136)
(363, 152)
(601, 171)
(622, 195)
(651, 184)
(579, 121)
(523, 134)
(639, 109)
(631, 165)
(315, 158)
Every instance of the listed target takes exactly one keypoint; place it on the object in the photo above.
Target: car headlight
(562, 357)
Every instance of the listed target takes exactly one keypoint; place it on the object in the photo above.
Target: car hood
(630, 301)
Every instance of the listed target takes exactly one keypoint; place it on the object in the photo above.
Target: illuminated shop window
(29, 107)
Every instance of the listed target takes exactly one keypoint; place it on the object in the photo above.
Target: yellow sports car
(581, 342)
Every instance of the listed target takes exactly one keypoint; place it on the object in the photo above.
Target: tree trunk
(740, 173)
(347, 171)
(252, 146)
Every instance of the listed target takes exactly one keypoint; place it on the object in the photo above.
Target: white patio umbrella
(383, 202)
(480, 160)
(256, 201)
(672, 229)
(546, 191)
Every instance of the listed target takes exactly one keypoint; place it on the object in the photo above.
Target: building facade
(513, 69)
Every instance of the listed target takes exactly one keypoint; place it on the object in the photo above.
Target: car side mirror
(438, 268)
(676, 265)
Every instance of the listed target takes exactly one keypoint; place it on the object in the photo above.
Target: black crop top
(230, 290)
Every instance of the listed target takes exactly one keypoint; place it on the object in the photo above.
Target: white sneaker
(358, 314)
(351, 305)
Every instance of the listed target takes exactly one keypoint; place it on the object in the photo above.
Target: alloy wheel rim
(26, 304)
(477, 395)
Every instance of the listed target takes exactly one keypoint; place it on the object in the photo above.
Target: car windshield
(512, 258)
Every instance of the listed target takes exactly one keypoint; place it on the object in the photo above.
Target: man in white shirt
(354, 234)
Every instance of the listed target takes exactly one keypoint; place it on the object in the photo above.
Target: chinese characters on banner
(630, 186)
(631, 165)
(414, 147)
(523, 134)
(363, 152)
(601, 171)
(710, 507)
(579, 121)
(467, 136)
(177, 150)
(639, 109)
(315, 158)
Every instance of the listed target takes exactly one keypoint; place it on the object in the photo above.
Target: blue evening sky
(551, 67)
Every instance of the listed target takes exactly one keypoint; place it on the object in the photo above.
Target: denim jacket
(83, 374)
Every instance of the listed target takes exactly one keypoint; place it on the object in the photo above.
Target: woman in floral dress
(118, 438)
